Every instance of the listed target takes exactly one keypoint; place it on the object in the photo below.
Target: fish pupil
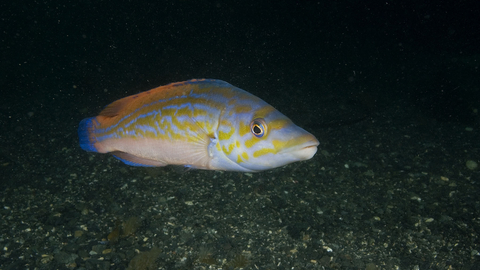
(257, 130)
(258, 127)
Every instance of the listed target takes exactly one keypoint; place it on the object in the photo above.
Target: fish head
(263, 139)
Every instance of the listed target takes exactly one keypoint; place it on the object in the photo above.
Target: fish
(201, 124)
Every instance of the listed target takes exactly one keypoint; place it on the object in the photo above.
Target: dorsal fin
(135, 101)
(113, 109)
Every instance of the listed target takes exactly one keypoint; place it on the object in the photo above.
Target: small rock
(472, 165)
(65, 258)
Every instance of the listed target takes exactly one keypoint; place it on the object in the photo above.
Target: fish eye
(258, 127)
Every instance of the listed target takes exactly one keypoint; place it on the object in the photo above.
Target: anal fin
(132, 160)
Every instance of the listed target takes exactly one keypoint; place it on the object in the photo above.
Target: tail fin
(86, 135)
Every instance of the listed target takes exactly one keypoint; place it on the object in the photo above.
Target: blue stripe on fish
(207, 96)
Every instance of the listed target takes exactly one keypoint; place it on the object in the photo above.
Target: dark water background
(93, 53)
(345, 70)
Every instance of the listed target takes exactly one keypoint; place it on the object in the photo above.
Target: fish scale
(204, 124)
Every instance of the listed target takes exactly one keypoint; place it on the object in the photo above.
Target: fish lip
(311, 143)
(314, 144)
(310, 146)
(306, 151)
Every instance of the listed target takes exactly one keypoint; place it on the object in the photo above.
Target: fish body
(203, 124)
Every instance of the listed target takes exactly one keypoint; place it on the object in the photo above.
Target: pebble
(472, 165)
(78, 233)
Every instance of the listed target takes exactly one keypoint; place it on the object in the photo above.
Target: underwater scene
(240, 135)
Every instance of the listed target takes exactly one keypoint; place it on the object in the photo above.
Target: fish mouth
(304, 150)
(313, 145)
(307, 151)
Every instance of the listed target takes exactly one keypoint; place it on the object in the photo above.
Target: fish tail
(86, 134)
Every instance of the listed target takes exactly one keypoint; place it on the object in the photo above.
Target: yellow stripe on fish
(203, 124)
